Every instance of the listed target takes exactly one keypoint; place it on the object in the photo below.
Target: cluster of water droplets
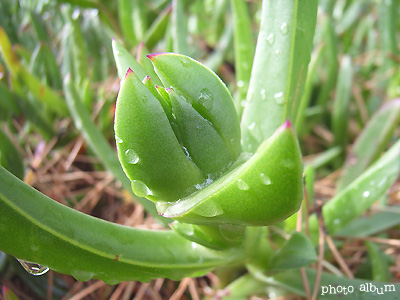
(33, 268)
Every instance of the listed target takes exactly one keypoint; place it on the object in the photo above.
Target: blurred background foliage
(353, 79)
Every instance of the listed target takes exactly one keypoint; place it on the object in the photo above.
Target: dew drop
(277, 52)
(140, 189)
(205, 98)
(118, 140)
(82, 275)
(271, 39)
(240, 83)
(131, 156)
(144, 99)
(263, 94)
(337, 221)
(33, 268)
(366, 194)
(243, 103)
(265, 179)
(186, 152)
(252, 125)
(284, 28)
(279, 98)
(185, 62)
(242, 185)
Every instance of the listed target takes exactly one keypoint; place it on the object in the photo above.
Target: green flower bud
(175, 141)
(180, 147)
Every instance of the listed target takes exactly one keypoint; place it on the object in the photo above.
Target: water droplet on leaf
(144, 99)
(131, 156)
(279, 98)
(82, 275)
(263, 94)
(242, 185)
(140, 189)
(366, 194)
(240, 83)
(271, 39)
(33, 268)
(185, 62)
(265, 179)
(284, 28)
(118, 140)
(205, 98)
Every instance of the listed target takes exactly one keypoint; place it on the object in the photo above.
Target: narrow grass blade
(158, 28)
(341, 103)
(308, 88)
(216, 59)
(98, 143)
(10, 158)
(244, 50)
(380, 266)
(179, 32)
(371, 142)
(41, 91)
(38, 229)
(280, 68)
(125, 8)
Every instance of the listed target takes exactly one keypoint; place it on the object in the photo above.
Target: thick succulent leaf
(361, 193)
(264, 190)
(204, 88)
(148, 149)
(97, 142)
(201, 141)
(36, 228)
(280, 67)
(297, 252)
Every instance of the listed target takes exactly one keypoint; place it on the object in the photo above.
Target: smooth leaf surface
(147, 146)
(361, 193)
(264, 190)
(280, 68)
(36, 228)
(98, 142)
(208, 94)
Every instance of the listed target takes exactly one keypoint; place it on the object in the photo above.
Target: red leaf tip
(287, 124)
(129, 72)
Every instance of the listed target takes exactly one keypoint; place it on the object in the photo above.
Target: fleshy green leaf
(297, 252)
(208, 94)
(280, 68)
(147, 146)
(85, 247)
(264, 190)
(361, 193)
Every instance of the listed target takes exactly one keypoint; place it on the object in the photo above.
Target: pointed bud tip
(287, 124)
(153, 55)
(129, 72)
